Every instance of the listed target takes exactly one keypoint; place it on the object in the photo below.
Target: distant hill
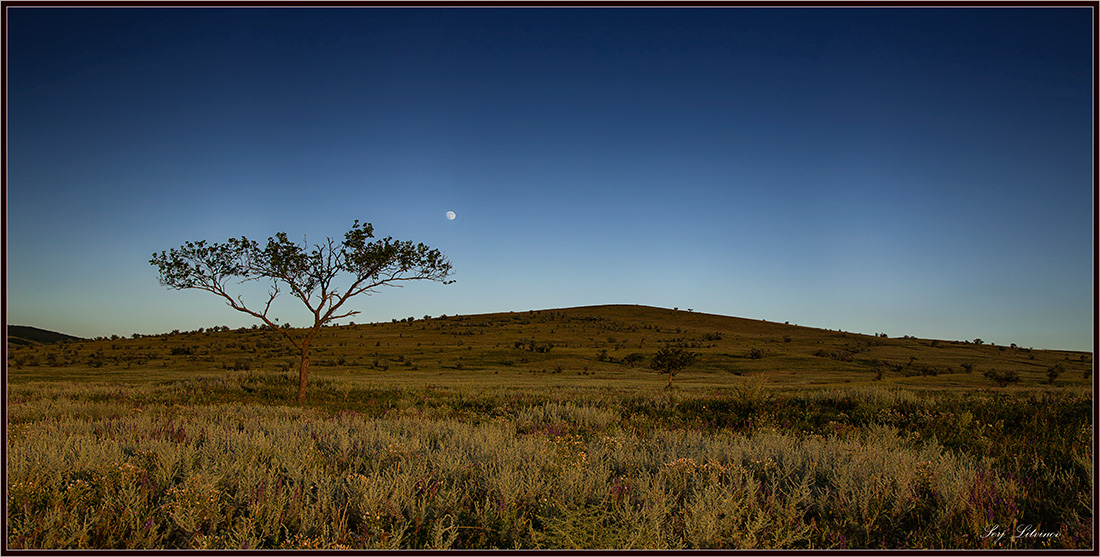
(23, 335)
(594, 345)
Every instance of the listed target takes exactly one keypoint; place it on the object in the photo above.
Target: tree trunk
(303, 373)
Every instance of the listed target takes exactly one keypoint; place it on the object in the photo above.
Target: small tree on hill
(323, 277)
(671, 361)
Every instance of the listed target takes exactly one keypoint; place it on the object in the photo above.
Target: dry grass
(96, 466)
(472, 432)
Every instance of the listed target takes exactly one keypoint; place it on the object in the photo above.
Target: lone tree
(671, 361)
(323, 277)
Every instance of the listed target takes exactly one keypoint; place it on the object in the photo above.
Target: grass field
(528, 430)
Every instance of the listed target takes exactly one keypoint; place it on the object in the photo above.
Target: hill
(582, 345)
(23, 335)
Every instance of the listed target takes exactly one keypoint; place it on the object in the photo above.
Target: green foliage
(671, 360)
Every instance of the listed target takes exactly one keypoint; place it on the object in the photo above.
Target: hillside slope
(23, 335)
(588, 345)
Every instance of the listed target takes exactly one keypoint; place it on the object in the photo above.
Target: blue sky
(913, 171)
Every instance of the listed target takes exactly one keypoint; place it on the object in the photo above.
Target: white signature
(999, 532)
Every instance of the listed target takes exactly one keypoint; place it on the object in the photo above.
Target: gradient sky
(912, 171)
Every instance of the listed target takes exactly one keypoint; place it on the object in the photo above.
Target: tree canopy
(671, 360)
(323, 276)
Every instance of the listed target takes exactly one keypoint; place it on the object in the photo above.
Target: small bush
(838, 355)
(1002, 378)
(1053, 372)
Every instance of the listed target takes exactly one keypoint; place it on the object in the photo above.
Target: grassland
(529, 430)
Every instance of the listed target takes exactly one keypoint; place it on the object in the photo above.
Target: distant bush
(1054, 371)
(838, 355)
(756, 353)
(240, 364)
(1002, 378)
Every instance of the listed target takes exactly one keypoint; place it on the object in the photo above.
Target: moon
(450, 215)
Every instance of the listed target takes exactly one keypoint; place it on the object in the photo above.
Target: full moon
(450, 215)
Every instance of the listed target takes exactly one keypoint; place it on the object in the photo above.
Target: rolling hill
(581, 345)
(23, 335)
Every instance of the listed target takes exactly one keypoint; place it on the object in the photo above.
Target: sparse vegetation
(419, 435)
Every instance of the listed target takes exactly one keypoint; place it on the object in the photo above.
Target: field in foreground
(534, 430)
(221, 462)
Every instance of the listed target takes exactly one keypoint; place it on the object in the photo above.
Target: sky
(908, 171)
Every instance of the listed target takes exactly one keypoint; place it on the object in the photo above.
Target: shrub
(838, 355)
(1053, 372)
(752, 391)
(1002, 378)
